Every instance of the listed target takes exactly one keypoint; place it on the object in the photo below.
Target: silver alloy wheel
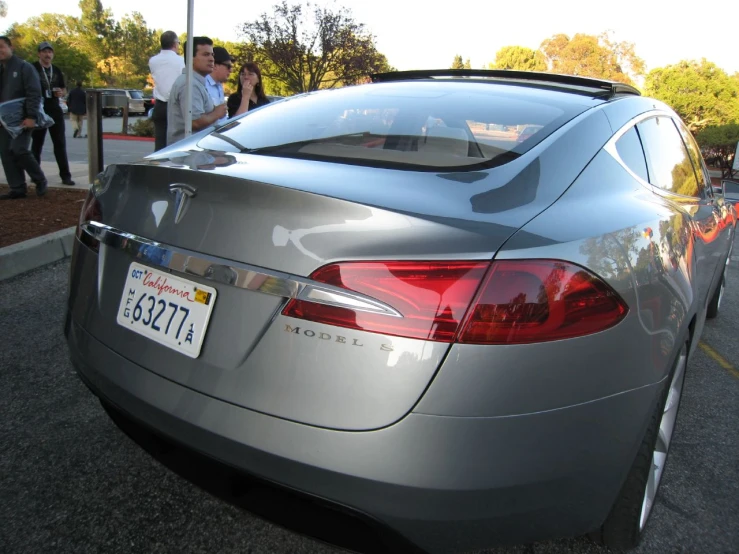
(662, 446)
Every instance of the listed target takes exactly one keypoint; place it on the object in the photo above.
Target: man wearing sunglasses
(221, 71)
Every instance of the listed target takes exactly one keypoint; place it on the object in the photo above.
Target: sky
(422, 34)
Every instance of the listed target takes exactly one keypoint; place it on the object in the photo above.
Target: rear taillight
(520, 301)
(524, 301)
(433, 297)
(90, 212)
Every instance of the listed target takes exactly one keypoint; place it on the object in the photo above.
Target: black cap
(221, 55)
(44, 45)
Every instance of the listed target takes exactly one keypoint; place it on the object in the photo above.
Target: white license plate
(171, 311)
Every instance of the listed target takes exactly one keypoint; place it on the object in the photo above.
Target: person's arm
(201, 101)
(244, 105)
(32, 86)
(246, 90)
(208, 119)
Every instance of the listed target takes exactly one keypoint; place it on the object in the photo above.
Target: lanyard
(49, 76)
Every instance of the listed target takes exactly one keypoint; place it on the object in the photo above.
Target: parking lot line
(723, 362)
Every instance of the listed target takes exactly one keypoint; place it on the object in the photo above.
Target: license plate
(169, 310)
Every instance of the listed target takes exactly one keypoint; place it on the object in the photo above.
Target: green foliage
(718, 143)
(700, 92)
(92, 48)
(136, 44)
(519, 58)
(143, 127)
(309, 50)
(592, 56)
(459, 64)
(63, 33)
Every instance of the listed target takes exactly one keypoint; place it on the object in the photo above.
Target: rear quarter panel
(611, 224)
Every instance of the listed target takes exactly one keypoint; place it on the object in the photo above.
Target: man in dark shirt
(53, 87)
(18, 79)
(77, 102)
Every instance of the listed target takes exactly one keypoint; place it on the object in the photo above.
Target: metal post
(124, 117)
(94, 133)
(188, 68)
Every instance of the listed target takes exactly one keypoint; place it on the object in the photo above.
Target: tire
(624, 526)
(715, 304)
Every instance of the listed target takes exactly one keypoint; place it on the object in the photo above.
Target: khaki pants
(77, 121)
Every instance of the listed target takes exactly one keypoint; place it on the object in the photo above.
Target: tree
(63, 32)
(719, 143)
(459, 64)
(519, 58)
(592, 56)
(328, 50)
(700, 92)
(134, 44)
(100, 34)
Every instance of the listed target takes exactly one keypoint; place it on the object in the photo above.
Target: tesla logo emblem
(182, 193)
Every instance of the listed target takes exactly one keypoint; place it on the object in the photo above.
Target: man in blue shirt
(221, 71)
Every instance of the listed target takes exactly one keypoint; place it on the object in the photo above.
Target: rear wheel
(715, 304)
(625, 524)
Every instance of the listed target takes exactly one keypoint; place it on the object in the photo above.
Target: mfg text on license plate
(169, 310)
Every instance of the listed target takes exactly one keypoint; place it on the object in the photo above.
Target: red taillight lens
(520, 301)
(540, 300)
(90, 212)
(432, 296)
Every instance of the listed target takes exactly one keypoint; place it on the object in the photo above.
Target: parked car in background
(114, 99)
(730, 190)
(368, 300)
(527, 132)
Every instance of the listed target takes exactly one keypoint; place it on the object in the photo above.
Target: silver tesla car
(456, 306)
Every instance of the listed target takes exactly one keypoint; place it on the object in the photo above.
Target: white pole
(188, 69)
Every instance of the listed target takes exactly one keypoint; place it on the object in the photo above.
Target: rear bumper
(443, 483)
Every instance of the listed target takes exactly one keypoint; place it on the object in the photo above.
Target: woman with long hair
(249, 92)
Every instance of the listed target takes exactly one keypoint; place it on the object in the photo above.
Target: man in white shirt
(165, 67)
(221, 71)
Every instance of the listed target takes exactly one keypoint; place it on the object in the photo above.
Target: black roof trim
(609, 87)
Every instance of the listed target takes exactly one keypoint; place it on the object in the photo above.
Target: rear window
(418, 125)
(136, 94)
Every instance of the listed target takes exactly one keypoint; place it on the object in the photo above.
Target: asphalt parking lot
(71, 481)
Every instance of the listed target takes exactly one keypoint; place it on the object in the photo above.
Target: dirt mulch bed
(30, 217)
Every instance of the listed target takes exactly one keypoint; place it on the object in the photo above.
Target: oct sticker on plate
(169, 310)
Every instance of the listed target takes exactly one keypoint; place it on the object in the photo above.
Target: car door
(722, 213)
(674, 176)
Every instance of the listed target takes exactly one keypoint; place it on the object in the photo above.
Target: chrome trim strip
(231, 273)
(610, 146)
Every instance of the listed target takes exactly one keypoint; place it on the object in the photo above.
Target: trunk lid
(244, 225)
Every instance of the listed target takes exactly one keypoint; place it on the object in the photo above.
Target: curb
(113, 136)
(37, 252)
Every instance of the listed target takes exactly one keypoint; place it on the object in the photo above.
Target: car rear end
(136, 102)
(311, 295)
